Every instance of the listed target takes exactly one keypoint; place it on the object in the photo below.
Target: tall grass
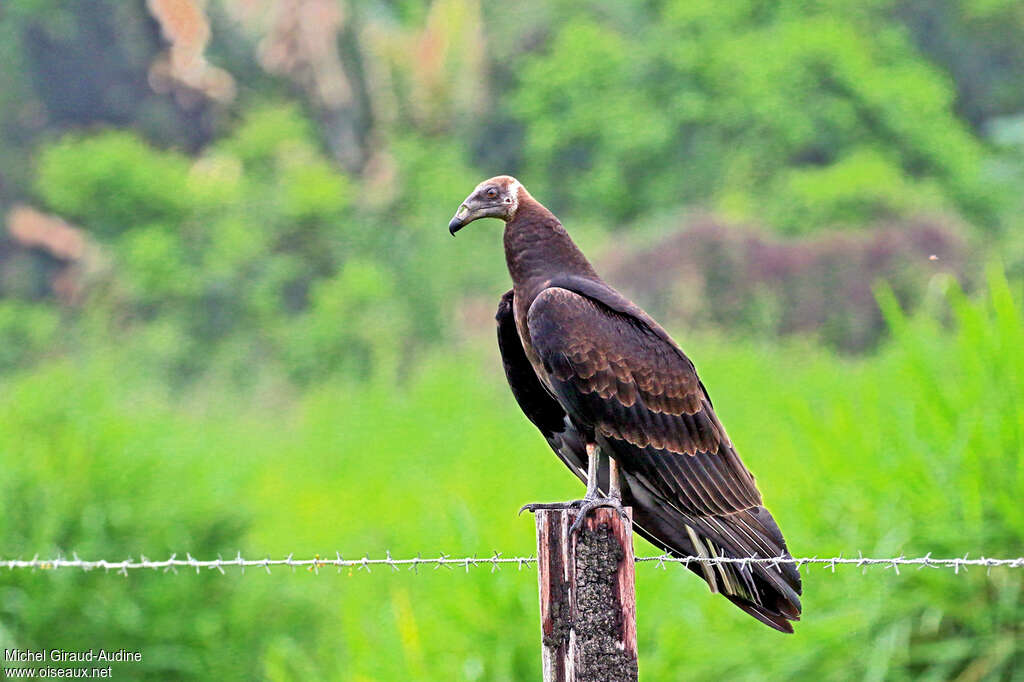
(917, 449)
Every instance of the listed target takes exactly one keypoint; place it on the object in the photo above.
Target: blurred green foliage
(96, 466)
(257, 247)
(25, 330)
(248, 239)
(257, 233)
(269, 343)
(134, 183)
(915, 449)
(804, 116)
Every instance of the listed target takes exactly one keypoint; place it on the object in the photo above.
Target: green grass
(917, 449)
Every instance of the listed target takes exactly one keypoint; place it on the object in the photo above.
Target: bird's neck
(538, 249)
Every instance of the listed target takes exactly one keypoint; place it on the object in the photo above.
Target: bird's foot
(581, 507)
(534, 507)
(593, 503)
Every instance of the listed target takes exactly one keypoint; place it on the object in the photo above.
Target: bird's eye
(491, 193)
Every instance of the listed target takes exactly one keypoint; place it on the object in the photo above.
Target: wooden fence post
(587, 597)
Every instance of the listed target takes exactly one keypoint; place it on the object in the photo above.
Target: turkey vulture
(623, 408)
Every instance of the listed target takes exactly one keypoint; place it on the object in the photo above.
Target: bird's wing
(767, 594)
(633, 389)
(534, 400)
(613, 375)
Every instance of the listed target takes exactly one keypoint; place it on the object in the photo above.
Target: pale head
(497, 197)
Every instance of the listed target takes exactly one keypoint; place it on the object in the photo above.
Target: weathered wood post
(587, 597)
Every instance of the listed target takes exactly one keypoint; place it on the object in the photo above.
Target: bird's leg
(593, 465)
(614, 484)
(593, 499)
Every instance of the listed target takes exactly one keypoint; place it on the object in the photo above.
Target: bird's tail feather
(770, 593)
(774, 620)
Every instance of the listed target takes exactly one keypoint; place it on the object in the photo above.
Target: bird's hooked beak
(460, 219)
(476, 207)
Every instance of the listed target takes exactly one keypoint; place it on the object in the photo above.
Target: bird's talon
(533, 507)
(595, 503)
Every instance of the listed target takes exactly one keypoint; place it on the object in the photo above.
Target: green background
(232, 319)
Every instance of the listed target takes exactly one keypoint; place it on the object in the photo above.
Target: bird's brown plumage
(588, 366)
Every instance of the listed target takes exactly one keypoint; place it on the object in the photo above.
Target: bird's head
(494, 198)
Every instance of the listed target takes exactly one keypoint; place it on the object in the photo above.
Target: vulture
(622, 406)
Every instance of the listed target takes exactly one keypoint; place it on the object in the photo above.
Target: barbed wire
(495, 562)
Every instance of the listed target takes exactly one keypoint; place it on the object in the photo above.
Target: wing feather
(660, 484)
(613, 375)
